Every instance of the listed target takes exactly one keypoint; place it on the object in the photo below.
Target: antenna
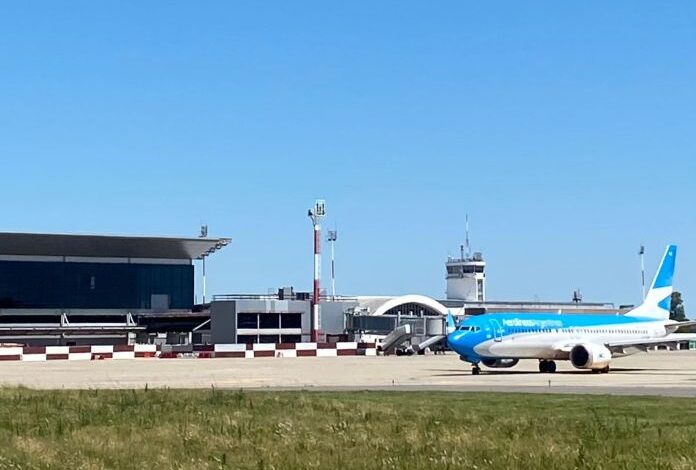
(317, 214)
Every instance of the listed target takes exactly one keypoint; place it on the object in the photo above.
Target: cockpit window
(469, 328)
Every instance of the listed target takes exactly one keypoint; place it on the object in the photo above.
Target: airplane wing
(644, 344)
(639, 344)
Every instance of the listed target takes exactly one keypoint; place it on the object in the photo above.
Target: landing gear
(476, 370)
(605, 370)
(547, 367)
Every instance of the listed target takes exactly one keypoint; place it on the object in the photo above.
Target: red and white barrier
(293, 350)
(143, 351)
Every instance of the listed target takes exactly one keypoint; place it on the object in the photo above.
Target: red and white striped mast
(317, 214)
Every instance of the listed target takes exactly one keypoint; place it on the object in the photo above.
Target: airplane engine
(590, 356)
(500, 363)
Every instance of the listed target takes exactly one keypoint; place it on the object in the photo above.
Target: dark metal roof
(102, 246)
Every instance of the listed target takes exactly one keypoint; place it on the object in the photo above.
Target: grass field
(284, 430)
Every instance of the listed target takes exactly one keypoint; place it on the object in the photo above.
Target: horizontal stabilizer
(673, 327)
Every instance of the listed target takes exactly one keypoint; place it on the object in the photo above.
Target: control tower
(466, 277)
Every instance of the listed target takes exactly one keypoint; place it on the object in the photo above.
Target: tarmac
(657, 373)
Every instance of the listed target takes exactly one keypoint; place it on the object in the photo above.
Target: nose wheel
(547, 367)
(476, 370)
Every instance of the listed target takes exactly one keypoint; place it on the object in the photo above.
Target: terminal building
(87, 289)
(82, 289)
(410, 321)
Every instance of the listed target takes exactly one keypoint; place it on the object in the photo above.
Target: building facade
(75, 289)
(73, 285)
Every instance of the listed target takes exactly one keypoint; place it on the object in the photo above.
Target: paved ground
(645, 374)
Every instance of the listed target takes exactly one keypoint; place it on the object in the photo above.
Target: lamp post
(333, 236)
(641, 253)
(316, 215)
(204, 234)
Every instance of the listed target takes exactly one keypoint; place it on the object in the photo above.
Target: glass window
(269, 339)
(93, 285)
(247, 320)
(290, 339)
(247, 339)
(291, 320)
(269, 320)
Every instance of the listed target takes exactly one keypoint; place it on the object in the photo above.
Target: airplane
(588, 341)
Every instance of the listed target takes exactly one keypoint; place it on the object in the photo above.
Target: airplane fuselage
(542, 335)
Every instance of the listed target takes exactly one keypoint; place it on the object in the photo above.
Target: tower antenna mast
(316, 215)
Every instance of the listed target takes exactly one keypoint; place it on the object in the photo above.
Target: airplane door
(497, 330)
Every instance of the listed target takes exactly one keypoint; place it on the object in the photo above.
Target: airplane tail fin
(451, 324)
(658, 301)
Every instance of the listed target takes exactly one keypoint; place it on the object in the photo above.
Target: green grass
(283, 430)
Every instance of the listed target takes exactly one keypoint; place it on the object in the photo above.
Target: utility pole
(333, 236)
(316, 215)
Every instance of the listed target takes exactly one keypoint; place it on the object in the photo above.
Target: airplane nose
(452, 340)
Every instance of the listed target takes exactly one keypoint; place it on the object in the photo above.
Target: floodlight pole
(204, 280)
(641, 253)
(333, 235)
(316, 215)
(204, 234)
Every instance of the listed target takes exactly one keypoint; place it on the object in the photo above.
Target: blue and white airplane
(500, 340)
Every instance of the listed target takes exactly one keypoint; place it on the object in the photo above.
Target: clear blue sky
(566, 130)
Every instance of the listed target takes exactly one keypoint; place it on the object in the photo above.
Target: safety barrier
(217, 351)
